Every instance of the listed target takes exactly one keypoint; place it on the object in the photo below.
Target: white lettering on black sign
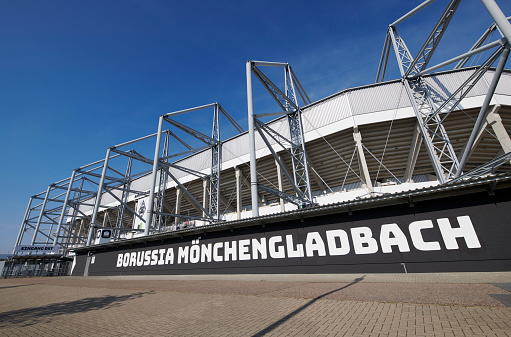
(337, 243)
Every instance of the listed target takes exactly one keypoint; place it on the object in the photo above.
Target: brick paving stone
(124, 307)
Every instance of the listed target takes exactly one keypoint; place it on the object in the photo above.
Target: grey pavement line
(468, 277)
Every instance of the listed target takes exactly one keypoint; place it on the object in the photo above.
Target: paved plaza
(458, 304)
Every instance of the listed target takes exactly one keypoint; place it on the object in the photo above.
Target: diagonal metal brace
(282, 166)
(188, 195)
(275, 92)
(282, 195)
(200, 136)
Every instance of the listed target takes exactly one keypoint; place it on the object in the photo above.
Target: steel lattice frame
(446, 163)
(213, 213)
(287, 100)
(54, 217)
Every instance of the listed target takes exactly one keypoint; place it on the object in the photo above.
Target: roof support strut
(287, 100)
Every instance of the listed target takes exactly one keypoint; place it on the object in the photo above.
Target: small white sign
(37, 249)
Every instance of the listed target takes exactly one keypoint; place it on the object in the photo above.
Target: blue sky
(79, 76)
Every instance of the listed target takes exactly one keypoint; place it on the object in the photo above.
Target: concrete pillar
(179, 195)
(357, 136)
(238, 192)
(281, 185)
(413, 154)
(204, 196)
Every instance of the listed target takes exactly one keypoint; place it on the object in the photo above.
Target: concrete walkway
(455, 304)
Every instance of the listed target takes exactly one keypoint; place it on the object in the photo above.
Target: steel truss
(58, 216)
(288, 101)
(119, 189)
(213, 212)
(52, 221)
(69, 212)
(431, 114)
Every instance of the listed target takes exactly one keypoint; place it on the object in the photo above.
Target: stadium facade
(408, 175)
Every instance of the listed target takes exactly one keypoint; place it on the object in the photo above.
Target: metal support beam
(317, 178)
(64, 207)
(383, 60)
(495, 121)
(23, 225)
(156, 167)
(480, 134)
(125, 194)
(476, 45)
(216, 163)
(287, 99)
(194, 133)
(162, 184)
(422, 59)
(251, 145)
(479, 42)
(36, 229)
(299, 193)
(489, 167)
(499, 18)
(107, 190)
(460, 57)
(459, 94)
(484, 107)
(98, 198)
(438, 145)
(188, 196)
(290, 198)
(226, 203)
(413, 11)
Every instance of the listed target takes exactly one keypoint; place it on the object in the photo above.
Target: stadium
(406, 175)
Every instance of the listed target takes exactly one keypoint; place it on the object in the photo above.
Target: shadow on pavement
(16, 286)
(30, 316)
(303, 307)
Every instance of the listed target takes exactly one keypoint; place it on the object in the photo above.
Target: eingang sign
(38, 249)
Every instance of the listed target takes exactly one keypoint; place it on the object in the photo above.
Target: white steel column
(64, 207)
(98, 197)
(484, 107)
(23, 225)
(252, 149)
(41, 214)
(156, 167)
(499, 18)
